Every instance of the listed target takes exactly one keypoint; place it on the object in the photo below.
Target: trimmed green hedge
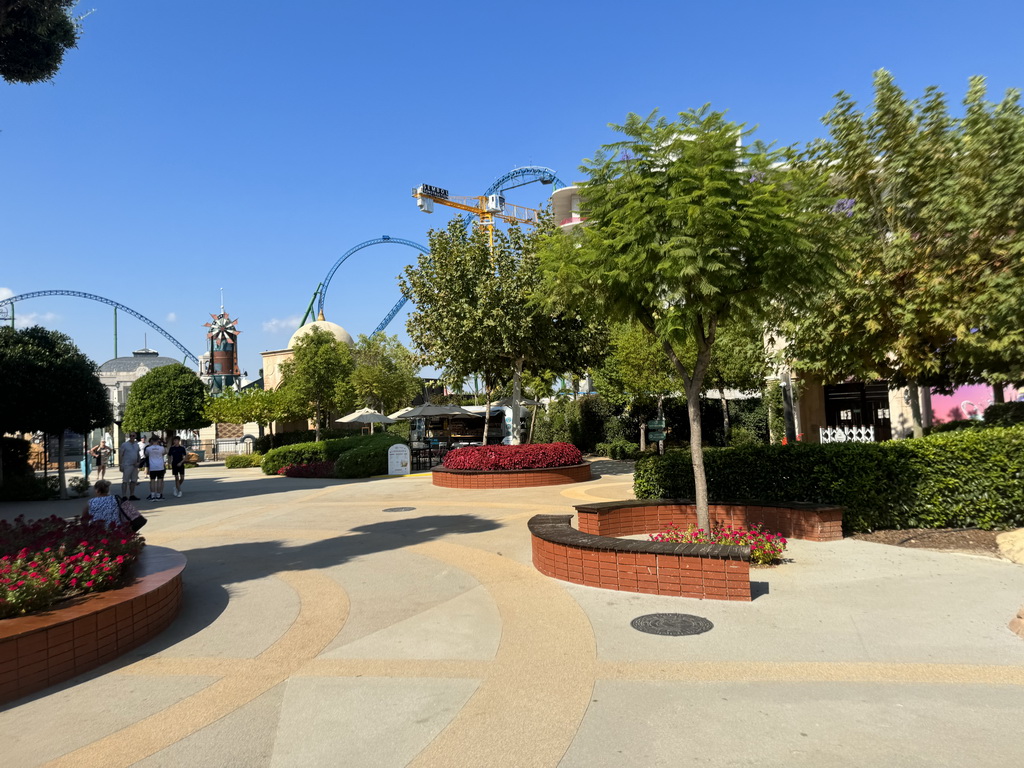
(367, 459)
(243, 460)
(1004, 414)
(950, 480)
(619, 450)
(330, 450)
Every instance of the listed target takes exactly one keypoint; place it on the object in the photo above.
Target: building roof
(147, 358)
(334, 329)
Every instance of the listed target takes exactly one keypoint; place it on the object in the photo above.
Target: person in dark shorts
(177, 454)
(155, 454)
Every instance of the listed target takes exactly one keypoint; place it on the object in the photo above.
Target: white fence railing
(847, 434)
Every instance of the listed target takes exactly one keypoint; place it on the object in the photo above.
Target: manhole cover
(671, 624)
(399, 509)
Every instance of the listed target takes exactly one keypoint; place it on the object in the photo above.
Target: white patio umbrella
(428, 410)
(366, 416)
(399, 413)
(506, 402)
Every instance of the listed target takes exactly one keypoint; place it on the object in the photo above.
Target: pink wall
(966, 401)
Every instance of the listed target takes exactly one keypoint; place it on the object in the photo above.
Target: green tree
(687, 231)
(385, 373)
(34, 35)
(316, 382)
(48, 385)
(168, 398)
(478, 311)
(262, 406)
(932, 293)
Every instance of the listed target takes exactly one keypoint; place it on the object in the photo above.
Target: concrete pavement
(388, 623)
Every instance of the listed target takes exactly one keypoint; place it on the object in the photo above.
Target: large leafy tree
(262, 406)
(168, 398)
(48, 385)
(316, 382)
(478, 311)
(932, 295)
(385, 374)
(34, 35)
(689, 230)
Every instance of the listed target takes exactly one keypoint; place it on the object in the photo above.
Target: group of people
(154, 458)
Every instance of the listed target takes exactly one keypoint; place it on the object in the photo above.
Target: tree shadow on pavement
(602, 467)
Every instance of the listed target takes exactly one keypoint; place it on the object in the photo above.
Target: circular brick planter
(509, 478)
(46, 648)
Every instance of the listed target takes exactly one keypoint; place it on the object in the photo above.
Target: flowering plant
(765, 547)
(312, 469)
(496, 457)
(44, 561)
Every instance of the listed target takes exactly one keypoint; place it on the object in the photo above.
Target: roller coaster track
(112, 303)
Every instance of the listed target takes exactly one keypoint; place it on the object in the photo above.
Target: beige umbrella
(366, 416)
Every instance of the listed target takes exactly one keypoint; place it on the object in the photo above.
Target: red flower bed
(52, 559)
(313, 469)
(487, 458)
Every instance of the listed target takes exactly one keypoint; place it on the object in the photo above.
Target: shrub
(314, 469)
(496, 457)
(956, 479)
(79, 485)
(368, 458)
(765, 547)
(741, 437)
(47, 560)
(619, 450)
(243, 460)
(330, 451)
(265, 443)
(953, 426)
(1004, 414)
(27, 488)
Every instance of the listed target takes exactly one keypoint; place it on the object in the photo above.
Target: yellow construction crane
(486, 207)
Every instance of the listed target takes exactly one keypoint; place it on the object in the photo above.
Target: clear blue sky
(190, 146)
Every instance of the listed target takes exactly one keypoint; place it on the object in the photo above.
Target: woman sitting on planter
(103, 506)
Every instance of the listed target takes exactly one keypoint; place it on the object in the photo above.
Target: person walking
(155, 453)
(130, 454)
(101, 455)
(177, 454)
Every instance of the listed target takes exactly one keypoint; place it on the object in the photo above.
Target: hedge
(1004, 414)
(619, 450)
(243, 460)
(368, 458)
(969, 478)
(487, 458)
(331, 451)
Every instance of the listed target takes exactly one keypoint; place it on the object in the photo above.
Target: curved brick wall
(47, 648)
(710, 571)
(509, 478)
(814, 522)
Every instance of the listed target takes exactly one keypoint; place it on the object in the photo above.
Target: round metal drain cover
(399, 509)
(672, 624)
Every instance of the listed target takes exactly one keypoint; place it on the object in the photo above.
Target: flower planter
(509, 478)
(45, 648)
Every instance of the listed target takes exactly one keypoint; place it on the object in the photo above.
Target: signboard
(656, 424)
(655, 436)
(398, 459)
(427, 189)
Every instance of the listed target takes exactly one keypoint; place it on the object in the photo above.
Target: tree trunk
(914, 394)
(726, 426)
(317, 423)
(517, 394)
(529, 437)
(487, 411)
(661, 418)
(700, 481)
(997, 393)
(60, 466)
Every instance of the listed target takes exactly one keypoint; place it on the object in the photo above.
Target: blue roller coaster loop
(93, 297)
(525, 175)
(382, 240)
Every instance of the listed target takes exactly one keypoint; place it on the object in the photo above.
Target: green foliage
(776, 413)
(619, 450)
(34, 35)
(957, 479)
(367, 458)
(243, 460)
(385, 374)
(742, 437)
(14, 455)
(324, 450)
(1004, 414)
(267, 442)
(953, 426)
(79, 485)
(316, 382)
(28, 488)
(171, 397)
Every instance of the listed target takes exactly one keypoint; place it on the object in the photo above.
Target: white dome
(325, 325)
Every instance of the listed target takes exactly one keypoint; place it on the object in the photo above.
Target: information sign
(398, 459)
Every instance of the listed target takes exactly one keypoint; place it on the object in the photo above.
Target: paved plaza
(386, 622)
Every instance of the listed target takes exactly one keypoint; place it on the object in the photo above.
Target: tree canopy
(316, 382)
(385, 373)
(34, 35)
(688, 230)
(934, 289)
(168, 398)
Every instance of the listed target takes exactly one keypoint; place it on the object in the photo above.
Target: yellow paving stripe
(324, 609)
(528, 708)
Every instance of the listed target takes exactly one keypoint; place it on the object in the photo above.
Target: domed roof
(147, 358)
(334, 329)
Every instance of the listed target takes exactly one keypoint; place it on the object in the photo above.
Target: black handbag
(131, 516)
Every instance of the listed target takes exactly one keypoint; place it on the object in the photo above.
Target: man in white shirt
(155, 457)
(129, 463)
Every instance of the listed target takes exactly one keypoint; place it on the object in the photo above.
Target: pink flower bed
(765, 547)
(52, 559)
(313, 469)
(488, 458)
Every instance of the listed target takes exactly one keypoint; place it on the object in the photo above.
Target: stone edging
(794, 520)
(46, 648)
(716, 571)
(509, 478)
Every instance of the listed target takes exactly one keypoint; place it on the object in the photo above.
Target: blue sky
(191, 146)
